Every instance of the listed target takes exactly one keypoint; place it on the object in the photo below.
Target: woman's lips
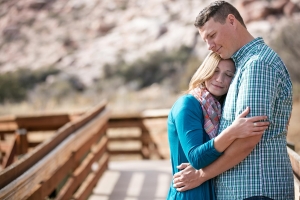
(217, 86)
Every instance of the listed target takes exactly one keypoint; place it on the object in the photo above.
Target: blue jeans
(258, 198)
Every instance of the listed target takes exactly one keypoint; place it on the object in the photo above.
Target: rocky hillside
(83, 38)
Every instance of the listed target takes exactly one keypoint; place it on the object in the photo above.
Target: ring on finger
(255, 124)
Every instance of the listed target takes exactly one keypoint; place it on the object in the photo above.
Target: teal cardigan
(190, 143)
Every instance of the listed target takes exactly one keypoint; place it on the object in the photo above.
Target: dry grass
(294, 127)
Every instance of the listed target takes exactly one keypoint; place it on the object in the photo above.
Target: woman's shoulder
(186, 101)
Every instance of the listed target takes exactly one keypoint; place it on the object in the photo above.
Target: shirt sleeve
(189, 123)
(258, 89)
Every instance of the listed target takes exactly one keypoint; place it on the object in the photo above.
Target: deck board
(134, 180)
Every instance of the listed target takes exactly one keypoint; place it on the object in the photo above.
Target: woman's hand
(243, 127)
(188, 178)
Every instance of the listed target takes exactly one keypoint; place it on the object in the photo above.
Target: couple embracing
(227, 134)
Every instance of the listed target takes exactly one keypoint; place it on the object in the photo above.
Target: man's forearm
(232, 156)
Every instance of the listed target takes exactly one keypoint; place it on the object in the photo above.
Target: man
(259, 167)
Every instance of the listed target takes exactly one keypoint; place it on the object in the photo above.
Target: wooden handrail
(53, 157)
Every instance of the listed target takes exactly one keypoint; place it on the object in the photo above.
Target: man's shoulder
(265, 56)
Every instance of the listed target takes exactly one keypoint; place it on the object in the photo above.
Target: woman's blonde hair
(205, 71)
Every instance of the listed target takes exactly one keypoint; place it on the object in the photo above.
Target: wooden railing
(69, 164)
(151, 128)
(75, 157)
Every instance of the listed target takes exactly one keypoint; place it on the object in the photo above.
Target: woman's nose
(219, 79)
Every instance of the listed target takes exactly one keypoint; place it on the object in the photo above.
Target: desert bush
(14, 85)
(170, 69)
(57, 88)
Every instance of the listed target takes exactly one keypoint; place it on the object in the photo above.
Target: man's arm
(233, 155)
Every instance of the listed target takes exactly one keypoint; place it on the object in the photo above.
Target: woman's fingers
(182, 189)
(244, 113)
(176, 175)
(261, 128)
(259, 124)
(257, 118)
(183, 166)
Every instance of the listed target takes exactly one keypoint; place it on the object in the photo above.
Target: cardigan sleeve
(189, 120)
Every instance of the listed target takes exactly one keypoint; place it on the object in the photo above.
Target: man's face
(219, 37)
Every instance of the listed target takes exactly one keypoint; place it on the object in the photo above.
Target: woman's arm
(190, 178)
(241, 128)
(188, 119)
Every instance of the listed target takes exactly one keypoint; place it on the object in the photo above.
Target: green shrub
(171, 69)
(14, 85)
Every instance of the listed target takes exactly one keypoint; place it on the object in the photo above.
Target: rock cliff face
(80, 37)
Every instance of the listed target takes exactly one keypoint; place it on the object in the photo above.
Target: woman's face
(218, 84)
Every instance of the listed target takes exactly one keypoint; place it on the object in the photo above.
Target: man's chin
(224, 56)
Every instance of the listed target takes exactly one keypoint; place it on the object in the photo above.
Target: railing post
(22, 142)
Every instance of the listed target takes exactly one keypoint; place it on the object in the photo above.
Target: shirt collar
(242, 52)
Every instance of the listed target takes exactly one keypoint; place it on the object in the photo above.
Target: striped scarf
(211, 110)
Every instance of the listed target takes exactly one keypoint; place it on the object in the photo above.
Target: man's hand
(188, 178)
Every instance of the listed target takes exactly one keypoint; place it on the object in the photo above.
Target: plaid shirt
(261, 82)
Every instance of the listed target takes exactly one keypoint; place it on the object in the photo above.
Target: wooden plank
(49, 184)
(57, 156)
(147, 114)
(42, 122)
(129, 151)
(83, 170)
(87, 146)
(5, 146)
(16, 169)
(19, 167)
(125, 139)
(9, 159)
(67, 190)
(7, 118)
(126, 123)
(295, 161)
(87, 186)
(86, 117)
(8, 127)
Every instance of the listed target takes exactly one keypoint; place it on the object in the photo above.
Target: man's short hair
(218, 10)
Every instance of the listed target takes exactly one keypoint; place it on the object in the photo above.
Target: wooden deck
(134, 180)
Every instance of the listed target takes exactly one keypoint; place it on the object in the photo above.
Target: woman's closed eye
(230, 75)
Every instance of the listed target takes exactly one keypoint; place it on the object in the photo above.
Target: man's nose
(210, 45)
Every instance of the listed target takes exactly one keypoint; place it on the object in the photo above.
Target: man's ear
(231, 19)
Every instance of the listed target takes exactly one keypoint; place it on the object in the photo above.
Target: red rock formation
(253, 10)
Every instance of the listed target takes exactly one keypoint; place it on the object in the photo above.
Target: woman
(194, 120)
